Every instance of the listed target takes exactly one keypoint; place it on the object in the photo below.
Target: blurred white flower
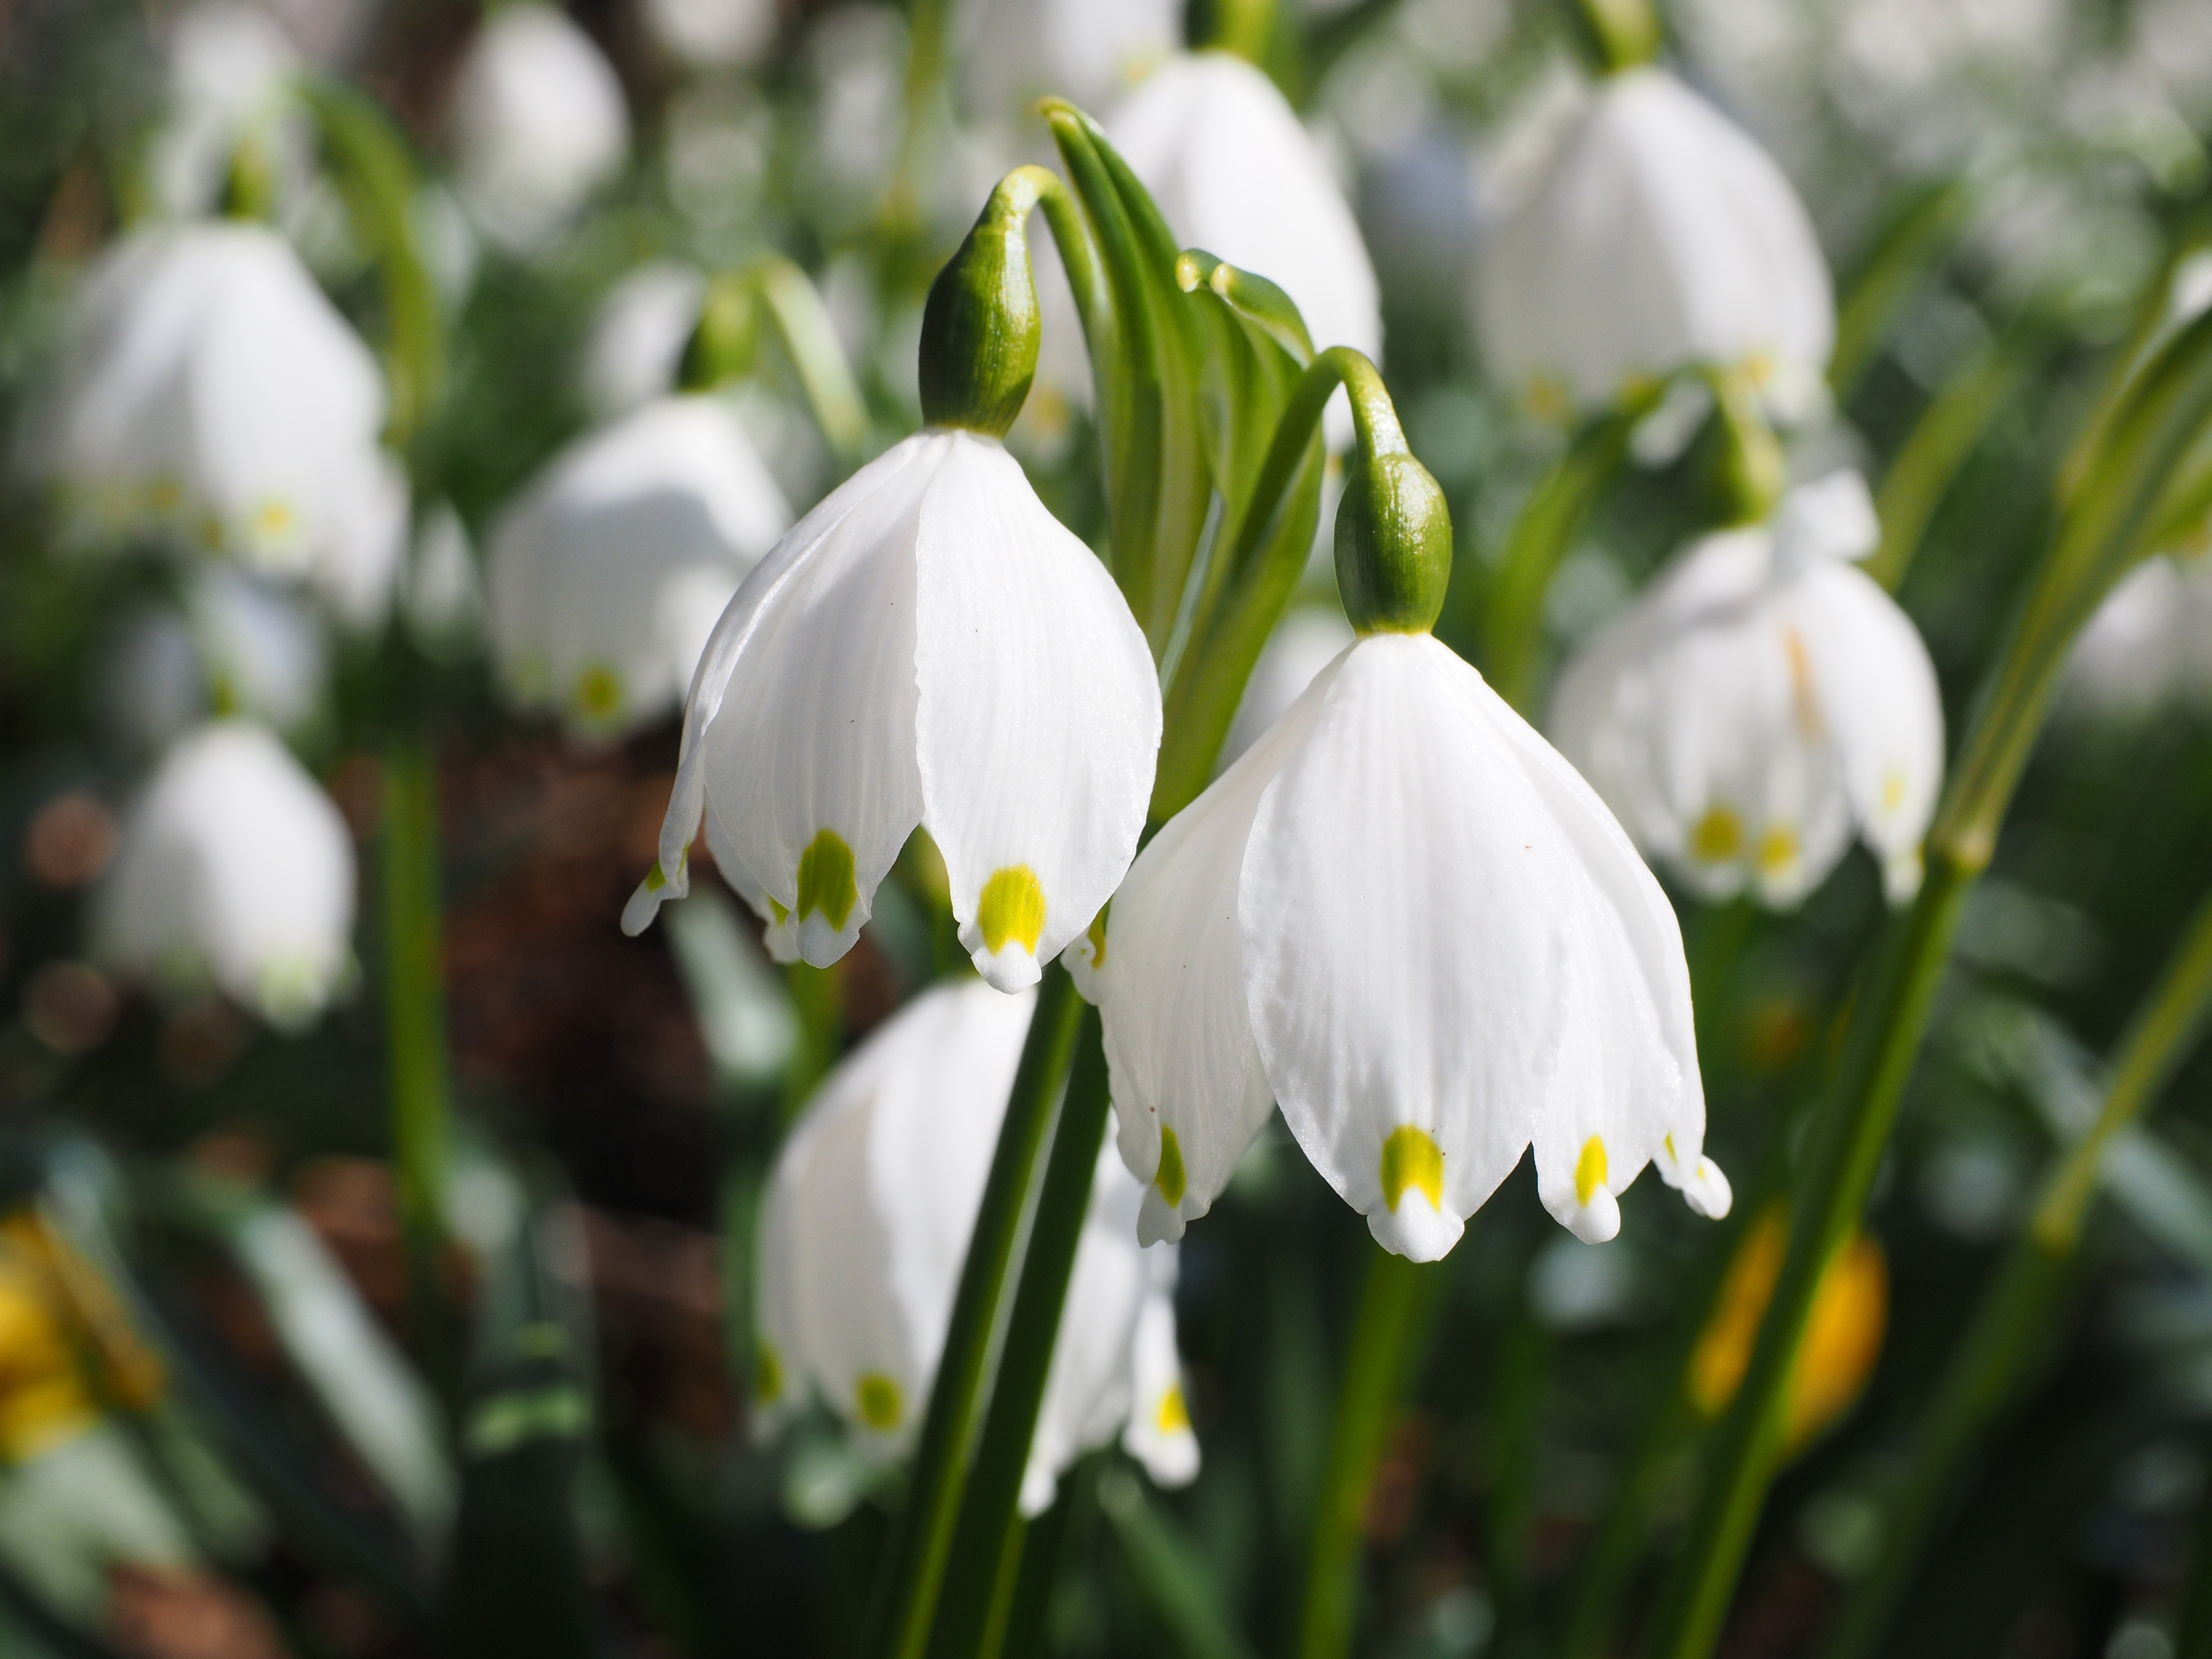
(610, 570)
(239, 646)
(929, 646)
(1660, 238)
(712, 33)
(1234, 173)
(1015, 51)
(443, 592)
(1761, 699)
(1305, 641)
(636, 347)
(1404, 918)
(231, 73)
(234, 867)
(537, 125)
(2150, 642)
(210, 393)
(866, 1224)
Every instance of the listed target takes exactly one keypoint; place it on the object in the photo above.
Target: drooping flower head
(929, 646)
(608, 574)
(865, 1225)
(538, 123)
(231, 73)
(1404, 919)
(1661, 237)
(235, 869)
(210, 396)
(1763, 699)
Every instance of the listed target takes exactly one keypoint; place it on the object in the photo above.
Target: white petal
(1178, 1030)
(1039, 718)
(1159, 1434)
(1830, 520)
(1305, 641)
(1403, 905)
(799, 729)
(1878, 694)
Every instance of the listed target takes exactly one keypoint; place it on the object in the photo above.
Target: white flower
(1661, 237)
(637, 340)
(929, 646)
(1761, 699)
(1403, 917)
(866, 1226)
(1015, 51)
(537, 125)
(442, 595)
(1305, 641)
(239, 647)
(1234, 173)
(2150, 642)
(712, 33)
(210, 394)
(235, 867)
(608, 574)
(231, 77)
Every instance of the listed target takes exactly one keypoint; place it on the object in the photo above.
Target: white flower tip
(1160, 1438)
(1416, 1228)
(1707, 1191)
(1598, 1221)
(1009, 969)
(1158, 1220)
(1039, 1487)
(1001, 936)
(1085, 962)
(1833, 517)
(1900, 876)
(645, 903)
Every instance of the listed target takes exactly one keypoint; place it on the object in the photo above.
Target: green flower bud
(1394, 541)
(721, 347)
(980, 328)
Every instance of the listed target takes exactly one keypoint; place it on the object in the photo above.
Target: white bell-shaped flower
(2149, 644)
(1404, 918)
(537, 125)
(866, 1225)
(231, 73)
(1234, 173)
(236, 868)
(608, 574)
(635, 350)
(1660, 238)
(1761, 699)
(712, 33)
(928, 646)
(210, 394)
(1015, 51)
(239, 646)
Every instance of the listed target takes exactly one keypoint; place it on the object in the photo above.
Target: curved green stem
(1263, 570)
(1947, 434)
(809, 340)
(1508, 629)
(2021, 1308)
(1394, 1305)
(2104, 529)
(921, 1536)
(986, 1547)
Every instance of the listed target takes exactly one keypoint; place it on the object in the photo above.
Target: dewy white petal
(1409, 1062)
(1039, 714)
(1660, 238)
(233, 866)
(608, 576)
(1189, 1090)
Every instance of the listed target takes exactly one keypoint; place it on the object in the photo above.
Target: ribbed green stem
(1508, 630)
(2107, 527)
(1393, 1304)
(414, 1007)
(1947, 434)
(2023, 1305)
(921, 1536)
(987, 1546)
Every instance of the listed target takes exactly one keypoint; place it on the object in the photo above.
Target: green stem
(2023, 1305)
(2106, 528)
(809, 340)
(987, 1546)
(415, 1007)
(1393, 1308)
(1508, 628)
(1946, 434)
(921, 1536)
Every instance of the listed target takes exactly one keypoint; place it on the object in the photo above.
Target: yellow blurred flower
(1842, 1336)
